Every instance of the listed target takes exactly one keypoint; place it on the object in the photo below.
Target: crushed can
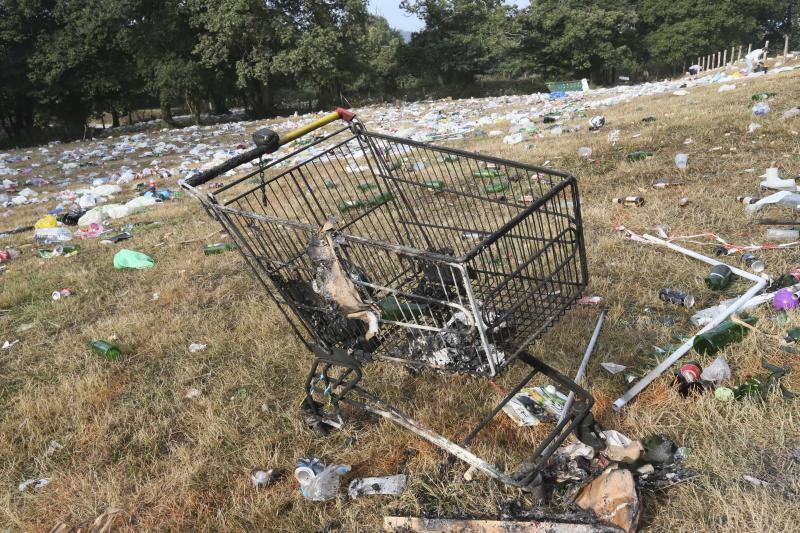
(632, 201)
(676, 297)
(747, 200)
(719, 277)
(752, 262)
(61, 293)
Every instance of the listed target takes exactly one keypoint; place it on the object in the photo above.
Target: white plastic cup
(681, 160)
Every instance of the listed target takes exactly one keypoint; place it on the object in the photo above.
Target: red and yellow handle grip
(268, 141)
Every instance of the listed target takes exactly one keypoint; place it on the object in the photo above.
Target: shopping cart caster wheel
(535, 487)
(589, 432)
(313, 420)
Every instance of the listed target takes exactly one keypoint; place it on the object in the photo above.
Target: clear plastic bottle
(317, 481)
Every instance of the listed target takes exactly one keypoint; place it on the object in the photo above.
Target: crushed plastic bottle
(791, 113)
(317, 481)
(760, 109)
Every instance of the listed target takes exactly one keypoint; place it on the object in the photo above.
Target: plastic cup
(681, 160)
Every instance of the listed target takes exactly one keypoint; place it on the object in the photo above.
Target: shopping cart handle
(267, 141)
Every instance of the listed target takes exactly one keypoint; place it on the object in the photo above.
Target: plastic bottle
(106, 349)
(638, 155)
(317, 481)
(633, 201)
(728, 332)
(781, 234)
(719, 277)
(218, 248)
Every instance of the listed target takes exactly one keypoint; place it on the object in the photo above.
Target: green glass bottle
(638, 155)
(391, 309)
(719, 277)
(486, 173)
(106, 349)
(497, 186)
(434, 184)
(727, 332)
(218, 248)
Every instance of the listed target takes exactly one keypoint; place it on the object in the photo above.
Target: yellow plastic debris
(47, 221)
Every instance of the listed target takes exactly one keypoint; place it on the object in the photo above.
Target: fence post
(739, 55)
(766, 53)
(749, 47)
(719, 59)
(725, 57)
(785, 48)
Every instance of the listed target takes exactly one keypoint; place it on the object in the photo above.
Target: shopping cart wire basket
(380, 248)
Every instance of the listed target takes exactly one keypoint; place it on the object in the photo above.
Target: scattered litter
(755, 481)
(7, 344)
(596, 122)
(753, 126)
(620, 448)
(404, 524)
(613, 498)
(613, 368)
(717, 372)
(61, 293)
(681, 161)
(193, 393)
(34, 484)
(197, 347)
(317, 481)
(726, 88)
(791, 113)
(131, 259)
(260, 478)
(585, 151)
(368, 486)
(761, 109)
(53, 447)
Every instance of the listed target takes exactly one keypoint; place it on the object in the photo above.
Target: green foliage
(65, 61)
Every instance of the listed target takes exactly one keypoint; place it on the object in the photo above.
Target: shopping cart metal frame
(336, 372)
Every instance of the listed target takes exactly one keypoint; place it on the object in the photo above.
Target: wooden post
(749, 47)
(733, 49)
(719, 59)
(785, 48)
(739, 55)
(766, 49)
(725, 57)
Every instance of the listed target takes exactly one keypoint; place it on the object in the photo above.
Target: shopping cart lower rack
(376, 247)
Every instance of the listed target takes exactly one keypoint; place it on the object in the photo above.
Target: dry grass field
(132, 440)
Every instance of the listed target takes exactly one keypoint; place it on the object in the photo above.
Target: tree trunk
(166, 115)
(219, 105)
(114, 119)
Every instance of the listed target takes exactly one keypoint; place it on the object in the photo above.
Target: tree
(19, 24)
(578, 38)
(79, 64)
(461, 38)
(681, 30)
(780, 20)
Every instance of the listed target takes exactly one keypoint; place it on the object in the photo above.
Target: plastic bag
(47, 221)
(717, 372)
(130, 259)
(52, 235)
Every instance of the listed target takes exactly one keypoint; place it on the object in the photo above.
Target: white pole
(640, 385)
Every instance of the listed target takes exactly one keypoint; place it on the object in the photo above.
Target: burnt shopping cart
(375, 247)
